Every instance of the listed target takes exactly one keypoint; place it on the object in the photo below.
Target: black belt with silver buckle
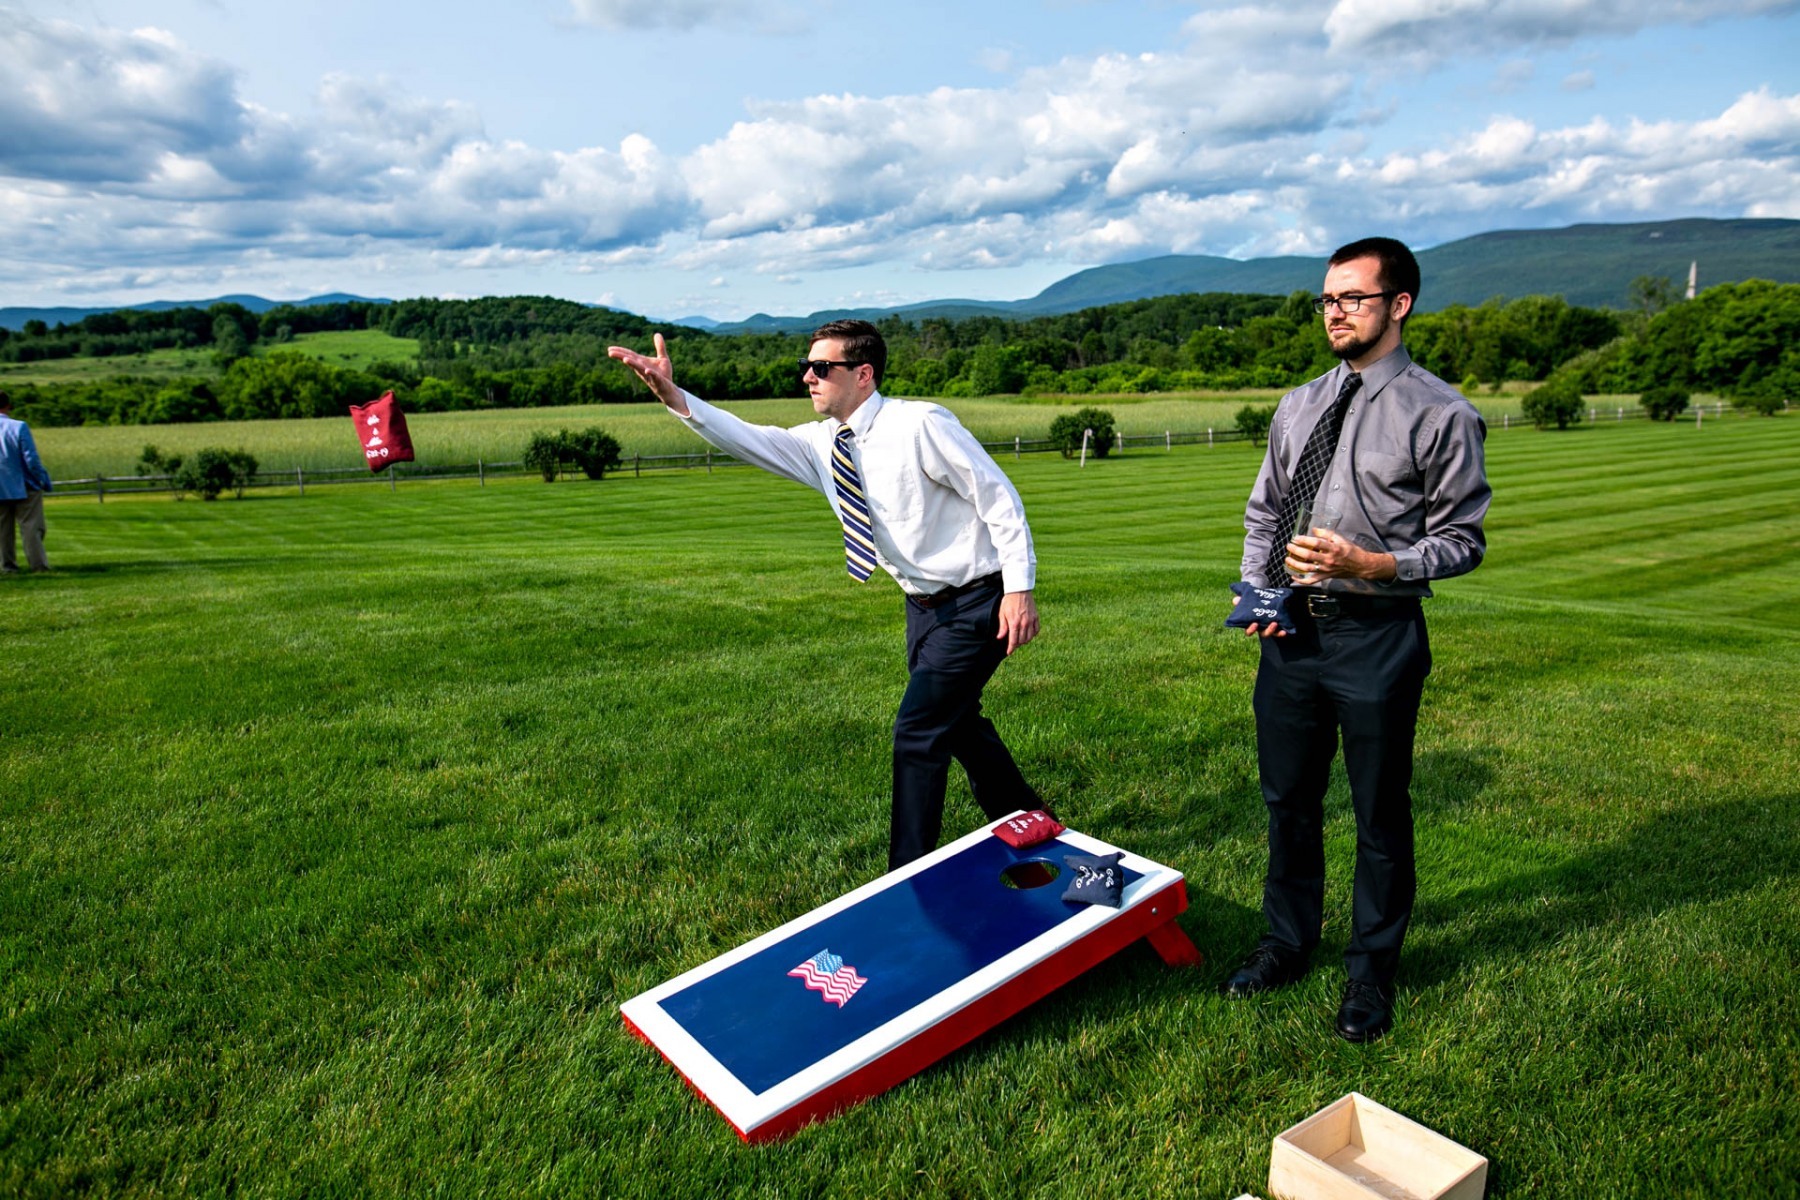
(1325, 605)
(950, 593)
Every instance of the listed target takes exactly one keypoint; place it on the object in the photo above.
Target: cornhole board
(871, 988)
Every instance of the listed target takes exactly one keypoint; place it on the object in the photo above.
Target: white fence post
(1085, 435)
(300, 478)
(1168, 440)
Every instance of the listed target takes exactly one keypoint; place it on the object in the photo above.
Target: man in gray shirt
(1372, 486)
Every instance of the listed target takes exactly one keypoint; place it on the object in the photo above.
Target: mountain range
(1589, 265)
(15, 318)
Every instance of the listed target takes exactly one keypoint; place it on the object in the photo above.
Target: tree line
(129, 331)
(1738, 340)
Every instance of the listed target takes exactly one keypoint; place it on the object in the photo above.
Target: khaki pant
(28, 515)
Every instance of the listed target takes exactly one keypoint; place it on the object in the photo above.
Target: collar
(863, 419)
(1379, 374)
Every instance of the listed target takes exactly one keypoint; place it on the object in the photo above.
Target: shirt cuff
(1018, 579)
(1409, 566)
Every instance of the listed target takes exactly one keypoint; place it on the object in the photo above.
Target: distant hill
(15, 318)
(1594, 265)
(1590, 265)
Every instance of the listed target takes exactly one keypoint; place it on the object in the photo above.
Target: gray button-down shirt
(1408, 476)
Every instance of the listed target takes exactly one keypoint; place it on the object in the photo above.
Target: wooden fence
(101, 486)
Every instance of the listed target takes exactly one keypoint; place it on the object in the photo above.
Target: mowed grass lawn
(500, 435)
(333, 831)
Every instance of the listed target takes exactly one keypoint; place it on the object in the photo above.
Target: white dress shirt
(945, 514)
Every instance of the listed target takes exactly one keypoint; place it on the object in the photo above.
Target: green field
(355, 349)
(500, 435)
(156, 364)
(336, 828)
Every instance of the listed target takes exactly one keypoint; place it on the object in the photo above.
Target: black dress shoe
(1266, 969)
(1367, 1011)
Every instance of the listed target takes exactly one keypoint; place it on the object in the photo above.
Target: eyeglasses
(1349, 302)
(821, 367)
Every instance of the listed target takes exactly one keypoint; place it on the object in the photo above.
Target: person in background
(23, 482)
(1373, 484)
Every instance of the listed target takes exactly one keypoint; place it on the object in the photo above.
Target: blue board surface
(910, 941)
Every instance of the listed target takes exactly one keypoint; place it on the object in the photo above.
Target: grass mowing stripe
(500, 435)
(334, 829)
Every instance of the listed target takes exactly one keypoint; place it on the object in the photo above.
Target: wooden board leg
(1176, 948)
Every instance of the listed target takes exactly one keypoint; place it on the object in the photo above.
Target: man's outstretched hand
(658, 373)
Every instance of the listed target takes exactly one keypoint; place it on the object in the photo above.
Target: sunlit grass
(500, 435)
(334, 829)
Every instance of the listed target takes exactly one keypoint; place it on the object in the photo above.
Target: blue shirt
(21, 470)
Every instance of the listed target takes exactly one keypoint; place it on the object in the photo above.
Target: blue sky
(725, 157)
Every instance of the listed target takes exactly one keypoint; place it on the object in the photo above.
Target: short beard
(1361, 345)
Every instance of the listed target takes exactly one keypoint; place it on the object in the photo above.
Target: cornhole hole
(869, 989)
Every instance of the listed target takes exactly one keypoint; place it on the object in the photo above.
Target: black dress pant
(951, 651)
(1362, 675)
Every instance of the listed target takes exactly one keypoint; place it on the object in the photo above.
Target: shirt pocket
(891, 481)
(1391, 482)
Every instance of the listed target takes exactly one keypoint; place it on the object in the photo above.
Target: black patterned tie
(1315, 461)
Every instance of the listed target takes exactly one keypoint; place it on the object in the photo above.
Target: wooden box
(1354, 1149)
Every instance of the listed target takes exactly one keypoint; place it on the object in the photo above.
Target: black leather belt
(950, 593)
(1326, 605)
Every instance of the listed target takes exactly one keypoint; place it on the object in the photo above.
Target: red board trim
(1152, 918)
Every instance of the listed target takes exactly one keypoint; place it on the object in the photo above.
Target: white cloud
(763, 16)
(998, 59)
(1514, 75)
(104, 106)
(1468, 27)
(126, 156)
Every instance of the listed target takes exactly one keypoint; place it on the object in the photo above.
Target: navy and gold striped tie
(853, 509)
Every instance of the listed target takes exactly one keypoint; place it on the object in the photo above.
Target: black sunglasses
(821, 367)
(1350, 302)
